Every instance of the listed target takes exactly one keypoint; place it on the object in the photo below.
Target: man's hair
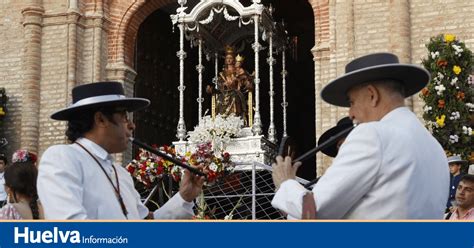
(4, 158)
(392, 85)
(83, 122)
(467, 178)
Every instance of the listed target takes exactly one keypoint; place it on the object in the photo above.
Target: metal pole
(200, 69)
(181, 132)
(271, 62)
(257, 123)
(284, 104)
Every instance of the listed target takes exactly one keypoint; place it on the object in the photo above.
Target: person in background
(3, 194)
(20, 185)
(332, 150)
(455, 165)
(464, 199)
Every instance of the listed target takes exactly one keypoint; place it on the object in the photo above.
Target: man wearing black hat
(80, 181)
(389, 167)
(331, 150)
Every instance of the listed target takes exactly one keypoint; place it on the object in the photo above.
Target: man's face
(359, 99)
(118, 133)
(454, 168)
(465, 194)
(2, 166)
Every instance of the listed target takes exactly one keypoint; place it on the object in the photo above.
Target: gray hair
(391, 85)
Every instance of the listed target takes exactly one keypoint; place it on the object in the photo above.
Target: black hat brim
(413, 78)
(129, 104)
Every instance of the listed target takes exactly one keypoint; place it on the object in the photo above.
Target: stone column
(32, 23)
(120, 72)
(73, 17)
(400, 34)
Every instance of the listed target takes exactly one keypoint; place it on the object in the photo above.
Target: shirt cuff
(289, 198)
(175, 208)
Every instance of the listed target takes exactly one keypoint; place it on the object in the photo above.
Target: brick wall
(11, 53)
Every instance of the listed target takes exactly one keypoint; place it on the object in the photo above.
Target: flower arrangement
(148, 168)
(24, 156)
(449, 96)
(218, 130)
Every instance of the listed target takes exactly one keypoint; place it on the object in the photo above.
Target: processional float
(211, 25)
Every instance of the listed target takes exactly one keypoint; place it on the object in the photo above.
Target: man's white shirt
(389, 169)
(71, 185)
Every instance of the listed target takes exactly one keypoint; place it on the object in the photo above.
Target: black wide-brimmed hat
(374, 67)
(97, 95)
(342, 124)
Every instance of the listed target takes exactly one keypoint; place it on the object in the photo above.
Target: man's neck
(463, 211)
(98, 141)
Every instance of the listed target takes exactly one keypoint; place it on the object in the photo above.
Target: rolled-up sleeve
(346, 181)
(175, 208)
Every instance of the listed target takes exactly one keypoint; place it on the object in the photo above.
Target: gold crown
(239, 58)
(229, 49)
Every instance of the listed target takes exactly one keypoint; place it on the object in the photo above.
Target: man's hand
(191, 185)
(283, 170)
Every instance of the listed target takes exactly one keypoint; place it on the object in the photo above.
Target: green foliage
(449, 95)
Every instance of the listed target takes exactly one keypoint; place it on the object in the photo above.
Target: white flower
(455, 116)
(454, 81)
(467, 130)
(457, 50)
(219, 130)
(470, 106)
(213, 167)
(434, 54)
(427, 108)
(453, 139)
(439, 89)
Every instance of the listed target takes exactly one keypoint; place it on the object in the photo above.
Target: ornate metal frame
(210, 25)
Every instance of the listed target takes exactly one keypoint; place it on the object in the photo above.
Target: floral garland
(449, 96)
(148, 168)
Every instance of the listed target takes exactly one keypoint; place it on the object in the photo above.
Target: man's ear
(374, 95)
(100, 120)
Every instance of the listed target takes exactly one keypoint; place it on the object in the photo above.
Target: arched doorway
(157, 70)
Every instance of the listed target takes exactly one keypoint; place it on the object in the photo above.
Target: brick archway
(125, 20)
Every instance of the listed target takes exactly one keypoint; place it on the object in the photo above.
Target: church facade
(50, 46)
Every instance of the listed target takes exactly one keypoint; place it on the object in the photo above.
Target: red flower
(160, 169)
(441, 103)
(130, 168)
(425, 91)
(460, 95)
(442, 63)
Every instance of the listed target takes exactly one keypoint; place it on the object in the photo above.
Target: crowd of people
(388, 167)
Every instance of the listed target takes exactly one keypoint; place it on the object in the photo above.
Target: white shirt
(71, 185)
(388, 169)
(3, 194)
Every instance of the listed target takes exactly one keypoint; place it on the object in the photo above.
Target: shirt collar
(468, 213)
(95, 149)
(394, 114)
